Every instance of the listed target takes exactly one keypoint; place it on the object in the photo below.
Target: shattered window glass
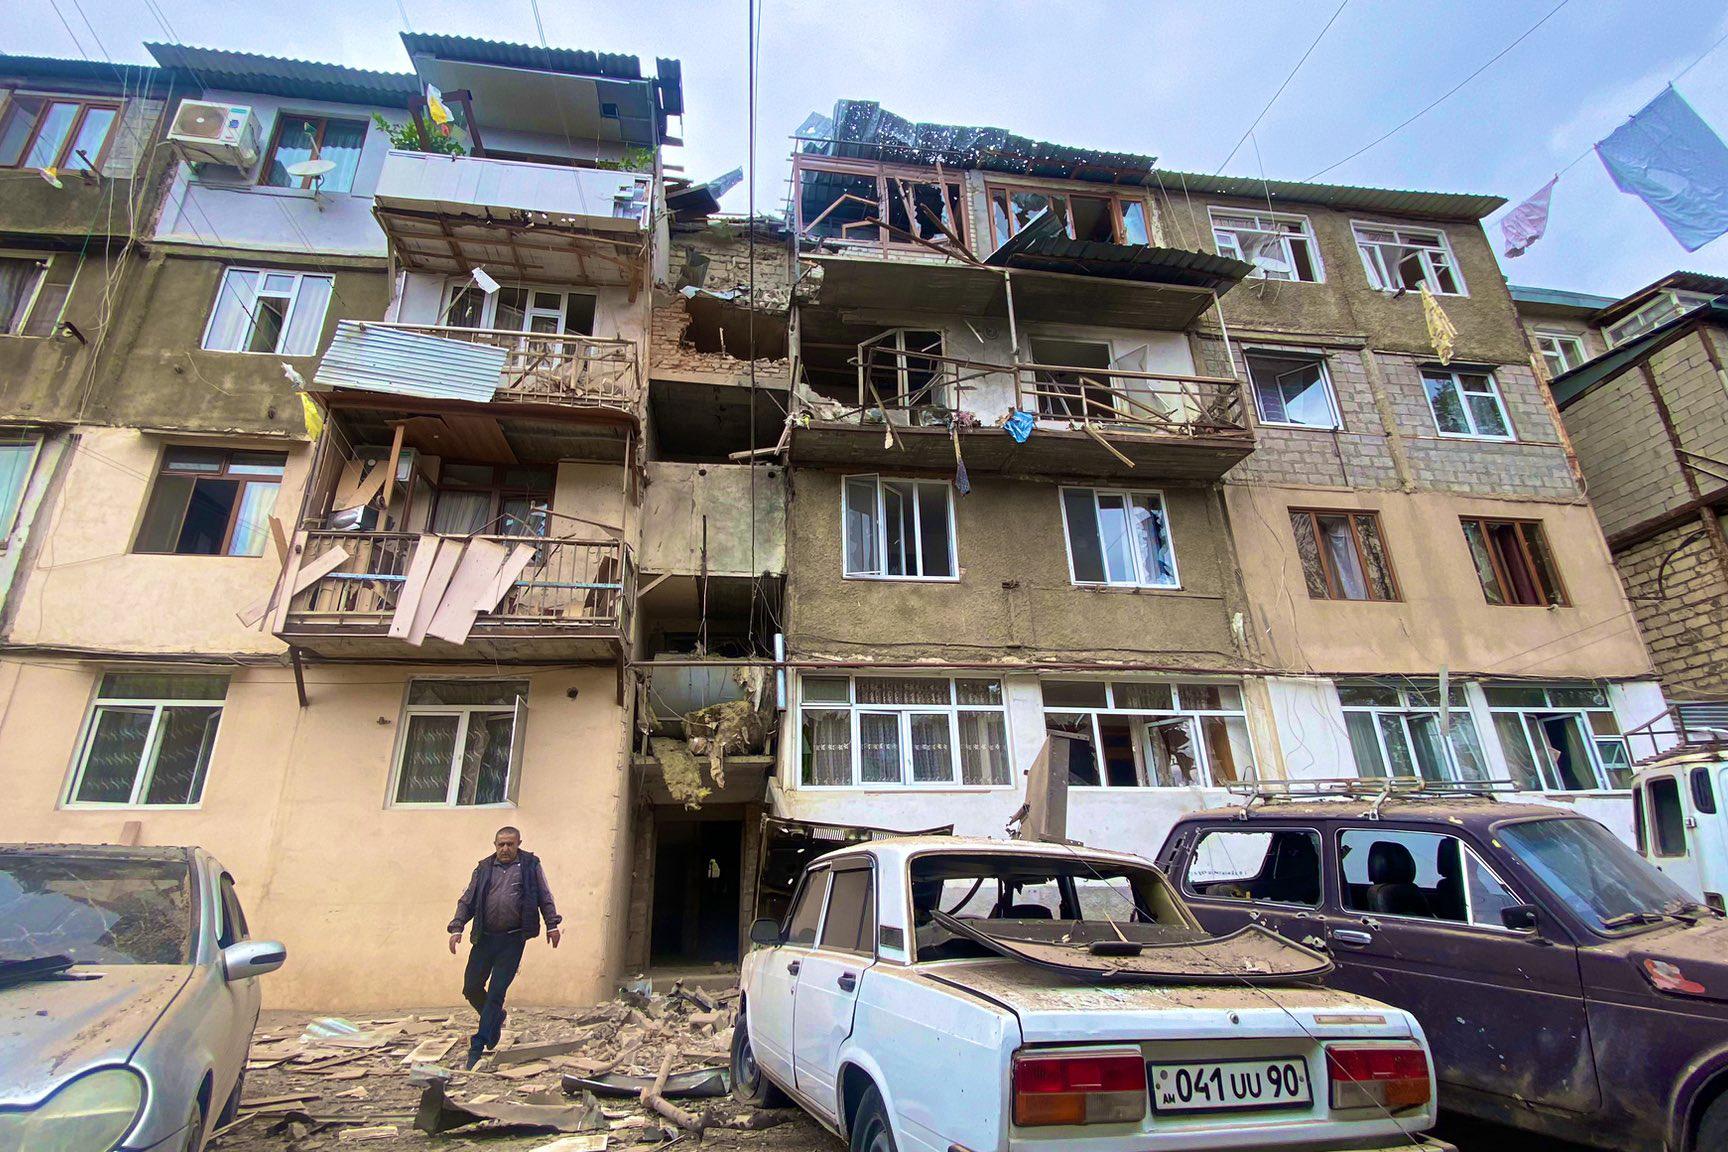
(1403, 259)
(95, 910)
(838, 206)
(1013, 209)
(924, 208)
(1279, 247)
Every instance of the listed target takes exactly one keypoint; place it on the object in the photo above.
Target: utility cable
(1315, 43)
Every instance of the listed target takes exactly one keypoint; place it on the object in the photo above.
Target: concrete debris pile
(643, 1071)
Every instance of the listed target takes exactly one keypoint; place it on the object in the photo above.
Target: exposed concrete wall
(680, 497)
(296, 806)
(1443, 618)
(1014, 597)
(88, 589)
(1679, 589)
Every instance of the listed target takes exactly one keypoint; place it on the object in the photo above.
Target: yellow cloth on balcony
(1442, 333)
(314, 416)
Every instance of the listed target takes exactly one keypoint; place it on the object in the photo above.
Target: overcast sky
(1180, 81)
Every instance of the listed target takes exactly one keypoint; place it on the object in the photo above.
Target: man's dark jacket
(536, 899)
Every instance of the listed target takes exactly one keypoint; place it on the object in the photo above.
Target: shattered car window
(95, 910)
(1008, 890)
(1594, 872)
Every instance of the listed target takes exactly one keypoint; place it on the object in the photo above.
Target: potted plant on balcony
(407, 137)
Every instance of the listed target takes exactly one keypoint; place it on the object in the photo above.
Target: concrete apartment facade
(1641, 388)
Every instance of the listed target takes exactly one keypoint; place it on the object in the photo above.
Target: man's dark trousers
(492, 964)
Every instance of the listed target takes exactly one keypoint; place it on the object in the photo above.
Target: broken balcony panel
(486, 188)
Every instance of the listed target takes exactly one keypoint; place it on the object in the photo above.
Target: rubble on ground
(641, 1072)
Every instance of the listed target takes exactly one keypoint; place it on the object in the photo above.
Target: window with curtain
(1395, 730)
(1559, 737)
(148, 739)
(268, 311)
(1513, 562)
(1343, 555)
(300, 138)
(1294, 390)
(1280, 247)
(1403, 259)
(902, 731)
(494, 500)
(1118, 537)
(211, 502)
(460, 743)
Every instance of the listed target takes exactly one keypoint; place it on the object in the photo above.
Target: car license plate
(1229, 1085)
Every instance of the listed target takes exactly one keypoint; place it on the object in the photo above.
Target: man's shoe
(474, 1055)
(503, 1019)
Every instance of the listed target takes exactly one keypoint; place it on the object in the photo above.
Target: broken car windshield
(95, 910)
(1588, 867)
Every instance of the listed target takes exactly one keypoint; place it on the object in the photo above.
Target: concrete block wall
(1679, 592)
(1697, 397)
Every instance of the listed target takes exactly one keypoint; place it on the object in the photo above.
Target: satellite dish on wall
(313, 169)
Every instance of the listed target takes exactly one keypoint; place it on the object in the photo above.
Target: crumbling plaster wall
(1014, 597)
(727, 251)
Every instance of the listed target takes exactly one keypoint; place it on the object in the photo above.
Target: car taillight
(1383, 1077)
(1082, 1088)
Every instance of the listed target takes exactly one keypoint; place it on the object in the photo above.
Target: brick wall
(1697, 398)
(1679, 593)
(727, 250)
(1629, 466)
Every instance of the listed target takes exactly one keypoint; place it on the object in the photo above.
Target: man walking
(506, 898)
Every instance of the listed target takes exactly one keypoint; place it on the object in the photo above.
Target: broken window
(1280, 247)
(33, 291)
(1071, 380)
(1424, 875)
(1293, 390)
(97, 909)
(18, 452)
(1343, 555)
(1281, 867)
(1657, 312)
(1395, 730)
(905, 370)
(1559, 737)
(492, 499)
(838, 206)
(265, 311)
(899, 529)
(1104, 217)
(1513, 562)
(461, 743)
(1466, 404)
(902, 730)
(148, 740)
(519, 308)
(849, 201)
(1149, 734)
(212, 502)
(1667, 816)
(1118, 537)
(1403, 259)
(928, 209)
(41, 132)
(1561, 351)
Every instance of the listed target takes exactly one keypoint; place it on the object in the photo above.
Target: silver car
(128, 995)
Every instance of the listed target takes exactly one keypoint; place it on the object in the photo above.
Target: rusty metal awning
(379, 358)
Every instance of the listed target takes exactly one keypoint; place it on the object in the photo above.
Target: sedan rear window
(95, 910)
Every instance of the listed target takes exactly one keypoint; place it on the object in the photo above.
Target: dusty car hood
(53, 1029)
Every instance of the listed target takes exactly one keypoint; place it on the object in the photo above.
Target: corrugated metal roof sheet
(1681, 281)
(575, 61)
(37, 68)
(1559, 298)
(1444, 205)
(378, 358)
(280, 76)
(1568, 386)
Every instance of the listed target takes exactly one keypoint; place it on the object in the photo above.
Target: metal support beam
(299, 676)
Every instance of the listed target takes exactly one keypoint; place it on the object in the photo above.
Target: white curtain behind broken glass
(1118, 537)
(1403, 259)
(1280, 247)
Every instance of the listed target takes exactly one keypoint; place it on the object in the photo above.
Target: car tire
(194, 1128)
(1713, 1127)
(749, 1084)
(871, 1131)
(231, 1107)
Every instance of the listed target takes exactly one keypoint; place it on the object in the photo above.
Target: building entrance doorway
(698, 881)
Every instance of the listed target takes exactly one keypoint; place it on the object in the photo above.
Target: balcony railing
(569, 585)
(553, 368)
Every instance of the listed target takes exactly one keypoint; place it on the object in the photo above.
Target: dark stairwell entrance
(697, 883)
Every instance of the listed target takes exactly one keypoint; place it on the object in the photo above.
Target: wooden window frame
(244, 479)
(1334, 586)
(1115, 197)
(497, 490)
(1501, 577)
(881, 173)
(85, 107)
(304, 182)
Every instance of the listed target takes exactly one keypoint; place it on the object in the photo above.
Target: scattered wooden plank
(430, 1050)
(524, 1071)
(286, 1098)
(523, 1053)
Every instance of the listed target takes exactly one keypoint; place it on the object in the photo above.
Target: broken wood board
(430, 1050)
(437, 584)
(524, 1071)
(523, 1053)
(460, 604)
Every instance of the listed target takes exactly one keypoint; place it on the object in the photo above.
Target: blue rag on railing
(1020, 424)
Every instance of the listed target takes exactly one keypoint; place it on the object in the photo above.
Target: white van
(1682, 822)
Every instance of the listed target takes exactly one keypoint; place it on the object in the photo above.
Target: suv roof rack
(1378, 789)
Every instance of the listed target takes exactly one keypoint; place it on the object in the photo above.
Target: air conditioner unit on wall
(206, 133)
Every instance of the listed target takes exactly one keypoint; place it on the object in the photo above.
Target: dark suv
(1566, 987)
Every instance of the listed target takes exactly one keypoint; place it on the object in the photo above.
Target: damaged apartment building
(1163, 476)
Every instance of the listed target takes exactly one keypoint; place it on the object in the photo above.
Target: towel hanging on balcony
(961, 480)
(1020, 424)
(1442, 333)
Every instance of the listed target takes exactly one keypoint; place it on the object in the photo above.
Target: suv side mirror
(765, 931)
(252, 958)
(1519, 917)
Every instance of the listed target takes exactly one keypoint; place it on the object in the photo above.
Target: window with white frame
(1403, 259)
(1149, 733)
(1395, 729)
(1658, 311)
(1280, 247)
(18, 452)
(148, 739)
(519, 308)
(899, 529)
(33, 291)
(902, 731)
(1292, 389)
(461, 743)
(1559, 737)
(1561, 351)
(1118, 537)
(1466, 404)
(258, 310)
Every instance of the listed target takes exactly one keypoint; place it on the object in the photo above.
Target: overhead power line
(1313, 45)
(1447, 95)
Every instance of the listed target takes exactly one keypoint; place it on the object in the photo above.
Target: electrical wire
(1315, 43)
